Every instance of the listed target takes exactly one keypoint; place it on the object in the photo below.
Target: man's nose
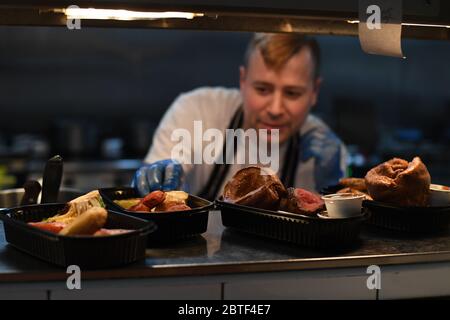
(276, 105)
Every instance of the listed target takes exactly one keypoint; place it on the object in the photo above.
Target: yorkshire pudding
(358, 184)
(255, 187)
(400, 183)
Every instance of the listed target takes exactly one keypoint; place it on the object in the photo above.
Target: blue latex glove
(161, 175)
(325, 147)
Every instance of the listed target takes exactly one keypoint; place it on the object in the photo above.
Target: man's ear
(317, 84)
(242, 75)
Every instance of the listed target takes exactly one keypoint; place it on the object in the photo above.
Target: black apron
(219, 172)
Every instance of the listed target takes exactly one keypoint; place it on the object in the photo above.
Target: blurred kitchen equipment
(52, 179)
(112, 148)
(3, 146)
(12, 197)
(75, 138)
(355, 122)
(32, 191)
(32, 145)
(6, 180)
(139, 137)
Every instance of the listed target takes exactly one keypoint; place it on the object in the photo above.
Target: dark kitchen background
(95, 97)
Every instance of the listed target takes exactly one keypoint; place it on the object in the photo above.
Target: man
(279, 85)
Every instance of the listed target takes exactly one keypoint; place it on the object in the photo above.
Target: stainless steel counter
(224, 251)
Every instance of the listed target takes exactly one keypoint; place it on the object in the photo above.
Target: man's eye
(293, 94)
(262, 90)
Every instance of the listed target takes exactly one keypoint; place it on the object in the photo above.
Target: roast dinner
(86, 216)
(157, 201)
(396, 182)
(399, 183)
(260, 188)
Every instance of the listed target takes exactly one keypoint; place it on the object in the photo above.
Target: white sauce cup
(343, 205)
(439, 195)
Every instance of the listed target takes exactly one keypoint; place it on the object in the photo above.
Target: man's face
(278, 99)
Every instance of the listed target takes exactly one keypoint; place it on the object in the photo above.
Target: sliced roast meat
(302, 201)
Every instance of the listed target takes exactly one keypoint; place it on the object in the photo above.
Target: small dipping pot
(343, 205)
(439, 195)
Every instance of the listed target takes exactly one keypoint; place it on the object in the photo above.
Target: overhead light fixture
(411, 24)
(111, 14)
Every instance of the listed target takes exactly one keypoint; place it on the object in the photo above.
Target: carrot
(54, 227)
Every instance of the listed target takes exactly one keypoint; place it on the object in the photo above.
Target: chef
(279, 85)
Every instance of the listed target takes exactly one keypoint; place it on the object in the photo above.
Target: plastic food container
(172, 226)
(88, 252)
(308, 231)
(408, 219)
(413, 220)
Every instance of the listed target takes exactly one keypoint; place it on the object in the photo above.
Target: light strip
(411, 24)
(110, 14)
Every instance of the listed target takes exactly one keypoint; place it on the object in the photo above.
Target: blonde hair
(277, 48)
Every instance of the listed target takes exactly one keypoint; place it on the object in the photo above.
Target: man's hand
(163, 175)
(325, 148)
